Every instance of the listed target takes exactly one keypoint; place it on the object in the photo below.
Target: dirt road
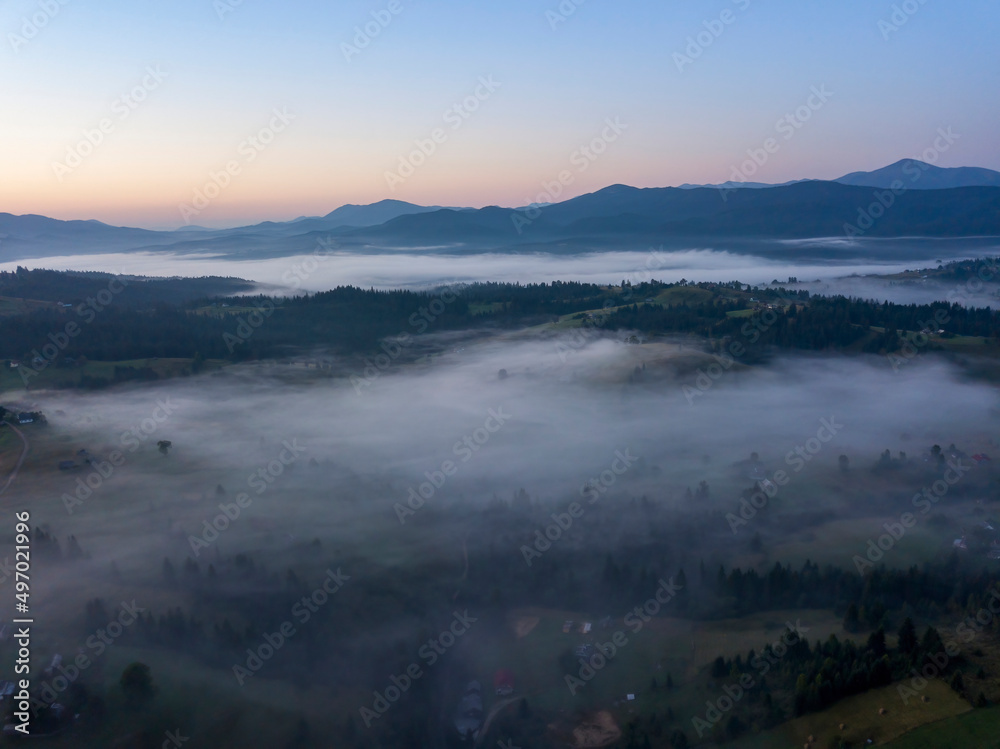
(20, 461)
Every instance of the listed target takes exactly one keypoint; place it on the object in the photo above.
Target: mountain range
(907, 199)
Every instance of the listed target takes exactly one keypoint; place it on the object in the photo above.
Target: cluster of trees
(819, 676)
(75, 287)
(346, 319)
(46, 545)
(930, 591)
(822, 323)
(338, 641)
(350, 319)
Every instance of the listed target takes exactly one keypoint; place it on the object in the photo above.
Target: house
(567, 626)
(25, 418)
(503, 682)
(585, 628)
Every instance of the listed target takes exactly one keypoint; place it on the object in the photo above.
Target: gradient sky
(354, 120)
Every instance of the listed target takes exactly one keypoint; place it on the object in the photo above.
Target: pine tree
(876, 642)
(852, 619)
(908, 637)
(931, 643)
(957, 683)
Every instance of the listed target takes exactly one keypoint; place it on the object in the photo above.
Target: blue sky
(350, 124)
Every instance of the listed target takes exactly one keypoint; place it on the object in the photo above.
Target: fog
(566, 409)
(391, 473)
(922, 291)
(322, 271)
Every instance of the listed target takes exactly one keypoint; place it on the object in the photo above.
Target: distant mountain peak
(387, 203)
(914, 174)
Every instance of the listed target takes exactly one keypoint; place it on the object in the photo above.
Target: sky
(226, 112)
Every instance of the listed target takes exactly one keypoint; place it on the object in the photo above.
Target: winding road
(20, 461)
(493, 713)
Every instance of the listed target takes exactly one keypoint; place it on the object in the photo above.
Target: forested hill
(66, 287)
(97, 320)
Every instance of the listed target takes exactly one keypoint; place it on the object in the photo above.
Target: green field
(56, 375)
(979, 729)
(862, 720)
(684, 295)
